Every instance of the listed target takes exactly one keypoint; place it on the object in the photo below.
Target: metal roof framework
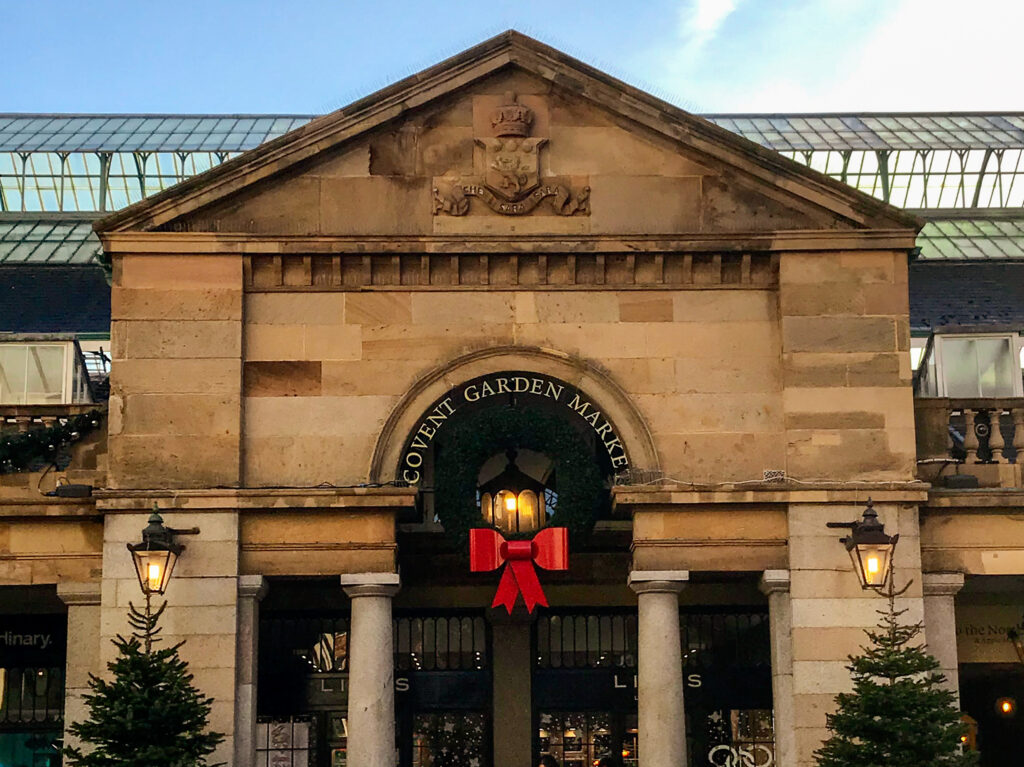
(106, 162)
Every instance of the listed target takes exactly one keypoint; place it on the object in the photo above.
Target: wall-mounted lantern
(1018, 643)
(513, 501)
(156, 555)
(869, 548)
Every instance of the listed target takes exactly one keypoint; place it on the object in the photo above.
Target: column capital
(658, 581)
(774, 582)
(75, 593)
(941, 584)
(370, 584)
(252, 587)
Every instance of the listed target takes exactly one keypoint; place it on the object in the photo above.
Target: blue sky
(311, 56)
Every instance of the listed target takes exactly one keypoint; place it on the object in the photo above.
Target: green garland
(489, 432)
(33, 449)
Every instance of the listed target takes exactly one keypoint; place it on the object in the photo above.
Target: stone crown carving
(512, 119)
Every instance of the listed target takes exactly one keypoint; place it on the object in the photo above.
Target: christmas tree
(899, 713)
(148, 714)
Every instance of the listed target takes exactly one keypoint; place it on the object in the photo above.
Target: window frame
(1016, 344)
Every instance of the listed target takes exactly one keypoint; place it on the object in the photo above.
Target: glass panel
(995, 367)
(449, 738)
(977, 367)
(12, 373)
(44, 374)
(529, 514)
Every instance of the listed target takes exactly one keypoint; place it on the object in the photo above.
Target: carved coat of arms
(511, 183)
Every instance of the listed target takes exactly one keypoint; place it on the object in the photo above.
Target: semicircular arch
(598, 386)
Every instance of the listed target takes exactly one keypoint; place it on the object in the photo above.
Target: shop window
(284, 743)
(971, 366)
(449, 739)
(585, 687)
(43, 374)
(442, 690)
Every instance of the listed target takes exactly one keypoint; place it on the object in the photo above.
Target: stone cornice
(981, 499)
(639, 497)
(255, 499)
(212, 243)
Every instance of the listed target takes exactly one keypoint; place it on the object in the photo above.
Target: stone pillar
(371, 676)
(251, 589)
(661, 712)
(940, 590)
(775, 583)
(512, 663)
(830, 610)
(83, 655)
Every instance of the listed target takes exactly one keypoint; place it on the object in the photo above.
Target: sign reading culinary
(524, 387)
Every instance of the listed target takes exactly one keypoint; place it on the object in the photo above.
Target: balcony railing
(981, 435)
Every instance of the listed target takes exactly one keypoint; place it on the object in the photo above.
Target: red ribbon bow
(488, 550)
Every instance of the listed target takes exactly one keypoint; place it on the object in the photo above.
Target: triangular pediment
(509, 137)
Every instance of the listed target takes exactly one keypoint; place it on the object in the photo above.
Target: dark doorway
(983, 688)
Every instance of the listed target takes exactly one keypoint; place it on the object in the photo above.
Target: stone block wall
(848, 402)
(323, 371)
(175, 403)
(202, 604)
(830, 611)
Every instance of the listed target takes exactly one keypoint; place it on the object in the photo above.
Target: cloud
(841, 55)
(700, 21)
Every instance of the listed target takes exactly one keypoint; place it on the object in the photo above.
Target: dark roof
(54, 299)
(975, 294)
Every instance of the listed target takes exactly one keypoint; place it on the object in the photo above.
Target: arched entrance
(577, 376)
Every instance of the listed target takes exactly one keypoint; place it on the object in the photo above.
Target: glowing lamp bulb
(1006, 706)
(154, 576)
(873, 565)
(510, 503)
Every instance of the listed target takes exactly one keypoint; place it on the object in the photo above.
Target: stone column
(775, 583)
(940, 590)
(83, 642)
(251, 589)
(371, 677)
(661, 712)
(512, 663)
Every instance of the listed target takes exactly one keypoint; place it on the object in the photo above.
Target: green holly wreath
(488, 432)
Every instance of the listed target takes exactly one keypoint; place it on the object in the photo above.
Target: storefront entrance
(442, 690)
(32, 656)
(585, 687)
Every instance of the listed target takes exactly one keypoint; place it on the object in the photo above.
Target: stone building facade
(726, 331)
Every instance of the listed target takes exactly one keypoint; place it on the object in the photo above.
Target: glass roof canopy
(105, 162)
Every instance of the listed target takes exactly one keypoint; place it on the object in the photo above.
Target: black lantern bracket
(869, 543)
(154, 558)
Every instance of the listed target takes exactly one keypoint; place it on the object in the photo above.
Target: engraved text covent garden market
(528, 386)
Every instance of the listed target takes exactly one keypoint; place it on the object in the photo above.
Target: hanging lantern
(156, 556)
(513, 501)
(869, 548)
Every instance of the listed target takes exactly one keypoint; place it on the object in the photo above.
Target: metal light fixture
(1017, 641)
(513, 501)
(156, 556)
(869, 548)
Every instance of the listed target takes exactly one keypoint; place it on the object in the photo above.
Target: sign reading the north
(511, 184)
(524, 387)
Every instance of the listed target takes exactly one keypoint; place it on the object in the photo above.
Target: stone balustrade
(17, 418)
(972, 432)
